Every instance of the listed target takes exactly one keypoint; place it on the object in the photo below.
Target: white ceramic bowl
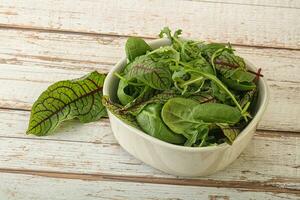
(174, 159)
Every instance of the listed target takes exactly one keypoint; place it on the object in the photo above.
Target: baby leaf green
(151, 73)
(136, 47)
(182, 114)
(150, 121)
(126, 93)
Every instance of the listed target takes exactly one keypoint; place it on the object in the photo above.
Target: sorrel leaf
(151, 73)
(65, 100)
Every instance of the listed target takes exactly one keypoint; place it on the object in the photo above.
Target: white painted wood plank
(31, 187)
(269, 159)
(295, 4)
(30, 61)
(240, 24)
(14, 124)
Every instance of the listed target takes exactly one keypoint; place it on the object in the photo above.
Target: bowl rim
(163, 42)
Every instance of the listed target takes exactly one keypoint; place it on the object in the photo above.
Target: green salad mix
(188, 93)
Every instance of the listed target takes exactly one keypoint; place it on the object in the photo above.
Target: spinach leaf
(65, 100)
(181, 114)
(136, 47)
(126, 93)
(146, 93)
(150, 121)
(151, 73)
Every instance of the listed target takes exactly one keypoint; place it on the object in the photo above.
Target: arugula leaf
(166, 31)
(196, 134)
(165, 54)
(65, 100)
(216, 81)
(188, 49)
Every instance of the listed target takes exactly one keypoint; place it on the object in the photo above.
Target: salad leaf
(136, 47)
(150, 121)
(230, 132)
(65, 100)
(151, 73)
(126, 93)
(182, 114)
(116, 109)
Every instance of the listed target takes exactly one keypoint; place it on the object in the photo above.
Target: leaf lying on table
(65, 100)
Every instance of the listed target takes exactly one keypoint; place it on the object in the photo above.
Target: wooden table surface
(42, 42)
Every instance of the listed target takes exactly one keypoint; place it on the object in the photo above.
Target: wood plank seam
(61, 140)
(257, 186)
(243, 4)
(264, 134)
(66, 31)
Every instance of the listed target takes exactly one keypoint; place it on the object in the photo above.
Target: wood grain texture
(31, 61)
(35, 187)
(240, 24)
(46, 41)
(13, 124)
(294, 4)
(270, 161)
